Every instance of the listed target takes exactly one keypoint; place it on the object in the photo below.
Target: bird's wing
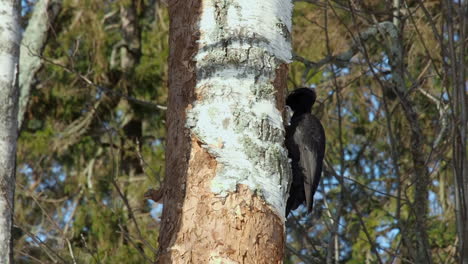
(311, 152)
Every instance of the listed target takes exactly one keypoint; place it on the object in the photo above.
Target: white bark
(32, 44)
(241, 45)
(9, 51)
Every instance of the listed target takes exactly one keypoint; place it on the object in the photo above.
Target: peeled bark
(227, 170)
(9, 55)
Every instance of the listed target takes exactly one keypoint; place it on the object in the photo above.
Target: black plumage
(305, 141)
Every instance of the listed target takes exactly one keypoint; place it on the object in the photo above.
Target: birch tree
(228, 173)
(9, 54)
(32, 44)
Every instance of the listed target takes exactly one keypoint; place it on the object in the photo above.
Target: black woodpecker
(305, 141)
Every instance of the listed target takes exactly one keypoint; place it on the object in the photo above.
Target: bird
(305, 142)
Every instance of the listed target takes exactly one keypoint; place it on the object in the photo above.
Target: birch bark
(32, 44)
(227, 169)
(9, 55)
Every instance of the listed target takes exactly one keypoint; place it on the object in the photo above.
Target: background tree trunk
(227, 178)
(9, 55)
(454, 49)
(32, 44)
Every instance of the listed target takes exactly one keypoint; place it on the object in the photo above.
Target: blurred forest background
(391, 95)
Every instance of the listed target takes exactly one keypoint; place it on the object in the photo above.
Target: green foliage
(86, 133)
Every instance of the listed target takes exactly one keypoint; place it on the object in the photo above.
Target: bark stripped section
(197, 225)
(281, 85)
(240, 228)
(182, 79)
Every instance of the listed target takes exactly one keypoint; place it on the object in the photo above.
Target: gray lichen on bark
(236, 118)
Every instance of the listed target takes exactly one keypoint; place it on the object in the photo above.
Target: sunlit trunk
(32, 44)
(227, 169)
(9, 54)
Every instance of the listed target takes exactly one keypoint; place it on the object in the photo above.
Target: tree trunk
(32, 45)
(456, 23)
(227, 170)
(9, 55)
